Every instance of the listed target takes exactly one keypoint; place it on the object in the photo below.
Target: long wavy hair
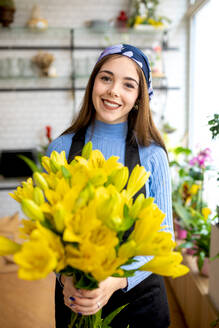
(140, 120)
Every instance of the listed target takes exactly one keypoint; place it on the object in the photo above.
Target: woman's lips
(110, 104)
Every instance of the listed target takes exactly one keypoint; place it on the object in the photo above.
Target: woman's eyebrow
(125, 78)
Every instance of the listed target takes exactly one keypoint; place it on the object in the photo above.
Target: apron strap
(78, 142)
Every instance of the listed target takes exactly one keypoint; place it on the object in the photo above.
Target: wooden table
(25, 304)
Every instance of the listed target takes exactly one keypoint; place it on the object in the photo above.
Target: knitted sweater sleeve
(159, 187)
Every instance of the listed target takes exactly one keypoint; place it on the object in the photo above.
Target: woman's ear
(136, 104)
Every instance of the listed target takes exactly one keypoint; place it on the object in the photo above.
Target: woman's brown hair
(140, 120)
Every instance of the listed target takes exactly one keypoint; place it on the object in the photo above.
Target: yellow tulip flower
(119, 178)
(111, 164)
(108, 207)
(137, 180)
(108, 266)
(150, 219)
(52, 241)
(51, 179)
(8, 246)
(26, 229)
(38, 196)
(93, 254)
(168, 265)
(137, 206)
(35, 260)
(80, 175)
(80, 223)
(160, 244)
(32, 210)
(194, 189)
(40, 181)
(26, 191)
(87, 149)
(127, 249)
(206, 212)
(58, 159)
(96, 159)
(45, 161)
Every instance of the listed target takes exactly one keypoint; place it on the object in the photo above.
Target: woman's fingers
(69, 289)
(69, 304)
(89, 302)
(86, 307)
(83, 305)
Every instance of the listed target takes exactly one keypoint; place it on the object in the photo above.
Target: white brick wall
(23, 115)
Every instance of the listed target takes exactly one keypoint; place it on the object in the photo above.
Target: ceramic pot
(6, 16)
(182, 234)
(190, 251)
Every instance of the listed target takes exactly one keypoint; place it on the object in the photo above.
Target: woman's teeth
(111, 104)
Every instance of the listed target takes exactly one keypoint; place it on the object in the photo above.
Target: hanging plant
(214, 125)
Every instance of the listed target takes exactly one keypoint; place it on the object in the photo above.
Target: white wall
(24, 115)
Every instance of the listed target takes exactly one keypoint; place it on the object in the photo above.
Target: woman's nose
(113, 91)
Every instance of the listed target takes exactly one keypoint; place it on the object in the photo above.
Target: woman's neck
(113, 131)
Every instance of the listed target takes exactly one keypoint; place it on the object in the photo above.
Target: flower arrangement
(78, 214)
(191, 210)
(189, 182)
(145, 15)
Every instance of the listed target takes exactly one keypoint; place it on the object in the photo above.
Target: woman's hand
(89, 302)
(69, 291)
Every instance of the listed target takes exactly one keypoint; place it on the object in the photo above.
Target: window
(204, 91)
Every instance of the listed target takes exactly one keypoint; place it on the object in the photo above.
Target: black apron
(148, 306)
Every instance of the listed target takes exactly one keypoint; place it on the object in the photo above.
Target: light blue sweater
(110, 140)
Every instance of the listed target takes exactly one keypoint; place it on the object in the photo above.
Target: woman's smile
(111, 105)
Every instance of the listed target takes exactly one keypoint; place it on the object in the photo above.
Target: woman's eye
(105, 78)
(129, 85)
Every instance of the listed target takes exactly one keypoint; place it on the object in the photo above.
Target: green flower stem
(80, 324)
(73, 319)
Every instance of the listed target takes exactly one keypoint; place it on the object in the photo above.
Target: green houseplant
(7, 10)
(189, 205)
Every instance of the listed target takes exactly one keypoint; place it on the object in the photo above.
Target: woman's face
(116, 89)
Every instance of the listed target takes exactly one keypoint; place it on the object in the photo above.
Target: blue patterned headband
(135, 54)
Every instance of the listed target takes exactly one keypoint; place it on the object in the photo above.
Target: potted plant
(7, 10)
(188, 184)
(144, 15)
(199, 238)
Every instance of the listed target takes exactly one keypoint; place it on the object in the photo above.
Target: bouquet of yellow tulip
(77, 216)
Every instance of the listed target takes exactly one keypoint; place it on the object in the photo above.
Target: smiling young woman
(115, 92)
(116, 117)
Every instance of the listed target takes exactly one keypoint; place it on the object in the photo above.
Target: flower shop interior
(47, 51)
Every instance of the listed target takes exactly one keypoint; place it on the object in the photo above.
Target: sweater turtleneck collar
(115, 131)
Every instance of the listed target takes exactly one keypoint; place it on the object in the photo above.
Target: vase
(205, 268)
(182, 234)
(190, 251)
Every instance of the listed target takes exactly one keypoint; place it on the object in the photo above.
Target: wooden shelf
(192, 295)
